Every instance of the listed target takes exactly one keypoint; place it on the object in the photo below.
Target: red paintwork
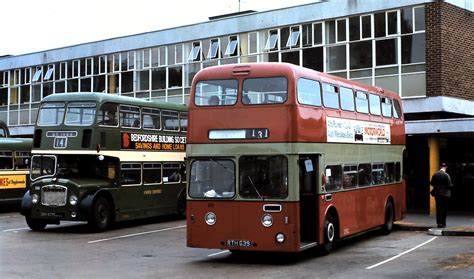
(288, 122)
(239, 220)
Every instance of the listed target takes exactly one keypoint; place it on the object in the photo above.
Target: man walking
(441, 182)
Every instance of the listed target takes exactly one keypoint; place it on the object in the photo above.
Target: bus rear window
(263, 177)
(272, 90)
(216, 93)
(51, 114)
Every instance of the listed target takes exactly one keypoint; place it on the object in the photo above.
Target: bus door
(308, 179)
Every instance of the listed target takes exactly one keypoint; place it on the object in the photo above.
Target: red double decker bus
(283, 158)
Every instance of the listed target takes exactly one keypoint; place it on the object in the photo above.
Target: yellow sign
(12, 181)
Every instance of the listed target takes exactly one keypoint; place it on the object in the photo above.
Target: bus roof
(287, 69)
(104, 97)
(16, 144)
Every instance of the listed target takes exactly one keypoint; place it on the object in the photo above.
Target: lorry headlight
(72, 200)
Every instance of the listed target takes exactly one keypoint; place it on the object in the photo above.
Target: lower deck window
(151, 173)
(263, 177)
(171, 173)
(131, 174)
(333, 177)
(212, 179)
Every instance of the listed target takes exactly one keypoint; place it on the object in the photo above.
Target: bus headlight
(280, 238)
(72, 200)
(35, 199)
(267, 220)
(210, 218)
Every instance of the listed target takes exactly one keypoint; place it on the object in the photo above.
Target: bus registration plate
(238, 243)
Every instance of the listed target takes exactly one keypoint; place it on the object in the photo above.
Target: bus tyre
(35, 224)
(330, 230)
(389, 219)
(100, 217)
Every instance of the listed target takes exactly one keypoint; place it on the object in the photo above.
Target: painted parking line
(135, 234)
(401, 254)
(10, 216)
(17, 229)
(219, 253)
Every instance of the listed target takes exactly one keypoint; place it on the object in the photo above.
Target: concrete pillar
(433, 142)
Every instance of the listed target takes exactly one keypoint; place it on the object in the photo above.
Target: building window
(63, 70)
(233, 46)
(213, 49)
(392, 23)
(330, 32)
(195, 52)
(413, 48)
(307, 37)
(253, 42)
(89, 66)
(102, 64)
(131, 60)
(38, 74)
(386, 52)
(419, 14)
(360, 55)
(336, 57)
(49, 72)
(406, 16)
(26, 76)
(75, 68)
(318, 34)
(294, 38)
(117, 64)
(341, 30)
(272, 40)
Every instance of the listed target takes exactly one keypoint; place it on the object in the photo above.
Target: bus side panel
(241, 221)
(361, 209)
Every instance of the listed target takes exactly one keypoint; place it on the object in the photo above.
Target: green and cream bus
(14, 161)
(104, 158)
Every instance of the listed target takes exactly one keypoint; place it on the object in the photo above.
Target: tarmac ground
(458, 224)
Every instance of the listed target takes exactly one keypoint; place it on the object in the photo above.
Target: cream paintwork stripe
(124, 156)
(14, 172)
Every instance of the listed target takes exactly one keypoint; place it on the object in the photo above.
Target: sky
(31, 25)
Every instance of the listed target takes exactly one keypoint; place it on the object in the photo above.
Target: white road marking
(18, 229)
(135, 234)
(219, 253)
(10, 216)
(401, 254)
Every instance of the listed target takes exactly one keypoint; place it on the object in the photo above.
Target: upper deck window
(347, 99)
(397, 109)
(216, 93)
(386, 107)
(374, 101)
(151, 118)
(170, 120)
(330, 96)
(272, 90)
(51, 114)
(108, 115)
(309, 92)
(183, 121)
(80, 113)
(130, 116)
(362, 103)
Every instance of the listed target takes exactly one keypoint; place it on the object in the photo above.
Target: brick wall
(449, 51)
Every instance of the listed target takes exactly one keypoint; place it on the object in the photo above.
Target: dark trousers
(441, 210)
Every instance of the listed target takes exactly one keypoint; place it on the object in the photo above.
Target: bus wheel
(100, 217)
(330, 230)
(389, 213)
(35, 224)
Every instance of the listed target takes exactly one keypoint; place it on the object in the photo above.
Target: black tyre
(389, 218)
(100, 215)
(330, 234)
(36, 224)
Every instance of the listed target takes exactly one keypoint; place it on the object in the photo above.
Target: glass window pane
(362, 102)
(386, 107)
(318, 33)
(407, 20)
(386, 52)
(330, 32)
(80, 114)
(354, 28)
(216, 93)
(330, 96)
(350, 177)
(151, 119)
(151, 173)
(389, 169)
(378, 174)
(171, 173)
(170, 120)
(392, 23)
(364, 175)
(333, 176)
(379, 24)
(108, 115)
(336, 58)
(263, 177)
(366, 27)
(374, 101)
(360, 55)
(419, 19)
(413, 48)
(51, 114)
(341, 30)
(271, 90)
(414, 85)
(129, 116)
(347, 98)
(131, 174)
(309, 92)
(212, 179)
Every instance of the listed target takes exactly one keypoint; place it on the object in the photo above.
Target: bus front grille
(53, 195)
